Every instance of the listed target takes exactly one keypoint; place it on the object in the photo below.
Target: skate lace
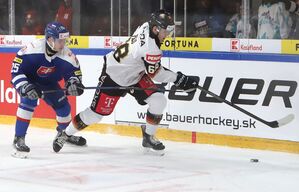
(61, 139)
(74, 138)
(21, 141)
(154, 140)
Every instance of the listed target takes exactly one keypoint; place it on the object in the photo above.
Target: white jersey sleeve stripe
(20, 84)
(18, 77)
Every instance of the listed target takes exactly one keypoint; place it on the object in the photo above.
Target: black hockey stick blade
(272, 124)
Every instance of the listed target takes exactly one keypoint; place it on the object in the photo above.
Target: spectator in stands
(65, 14)
(294, 34)
(209, 19)
(100, 26)
(274, 21)
(235, 26)
(32, 25)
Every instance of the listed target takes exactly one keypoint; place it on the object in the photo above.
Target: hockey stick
(118, 88)
(273, 124)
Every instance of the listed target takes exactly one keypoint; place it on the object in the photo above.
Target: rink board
(252, 79)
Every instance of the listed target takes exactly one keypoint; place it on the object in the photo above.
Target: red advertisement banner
(9, 98)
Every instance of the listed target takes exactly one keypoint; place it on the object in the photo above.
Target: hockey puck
(254, 160)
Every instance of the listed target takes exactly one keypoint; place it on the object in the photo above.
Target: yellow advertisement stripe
(187, 44)
(74, 41)
(177, 135)
(290, 46)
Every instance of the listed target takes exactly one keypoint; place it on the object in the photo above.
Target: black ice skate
(150, 143)
(76, 140)
(62, 137)
(21, 150)
(59, 141)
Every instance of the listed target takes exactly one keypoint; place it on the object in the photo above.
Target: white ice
(117, 163)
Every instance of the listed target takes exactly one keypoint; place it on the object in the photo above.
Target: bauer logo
(282, 89)
(235, 45)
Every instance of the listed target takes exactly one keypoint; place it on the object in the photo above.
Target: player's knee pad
(85, 118)
(157, 103)
(153, 119)
(25, 111)
(63, 115)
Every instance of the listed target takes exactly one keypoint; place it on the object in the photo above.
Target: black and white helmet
(162, 19)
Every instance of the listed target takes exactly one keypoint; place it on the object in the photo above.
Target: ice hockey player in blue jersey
(39, 67)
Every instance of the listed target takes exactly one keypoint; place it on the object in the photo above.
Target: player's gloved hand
(29, 91)
(74, 87)
(187, 83)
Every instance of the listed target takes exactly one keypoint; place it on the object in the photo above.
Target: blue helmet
(56, 30)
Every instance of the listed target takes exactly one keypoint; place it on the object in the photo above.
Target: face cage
(169, 30)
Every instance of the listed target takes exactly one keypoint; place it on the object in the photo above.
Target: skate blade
(150, 151)
(20, 155)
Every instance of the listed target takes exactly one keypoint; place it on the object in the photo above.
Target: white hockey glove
(74, 87)
(29, 91)
(187, 83)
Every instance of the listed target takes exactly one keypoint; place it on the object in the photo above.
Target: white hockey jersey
(274, 21)
(138, 55)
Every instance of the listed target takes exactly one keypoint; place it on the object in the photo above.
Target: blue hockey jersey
(33, 65)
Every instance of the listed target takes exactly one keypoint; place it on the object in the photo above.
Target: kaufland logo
(107, 42)
(235, 45)
(9, 41)
(2, 38)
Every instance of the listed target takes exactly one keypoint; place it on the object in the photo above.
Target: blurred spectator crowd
(263, 19)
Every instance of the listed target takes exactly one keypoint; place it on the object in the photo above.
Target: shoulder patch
(18, 60)
(78, 73)
(70, 57)
(22, 51)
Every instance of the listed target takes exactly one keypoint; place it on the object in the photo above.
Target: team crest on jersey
(45, 71)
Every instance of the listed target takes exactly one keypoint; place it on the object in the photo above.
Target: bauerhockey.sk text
(203, 120)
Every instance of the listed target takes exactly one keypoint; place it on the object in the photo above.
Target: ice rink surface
(117, 163)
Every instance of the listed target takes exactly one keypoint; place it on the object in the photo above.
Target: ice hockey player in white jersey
(134, 63)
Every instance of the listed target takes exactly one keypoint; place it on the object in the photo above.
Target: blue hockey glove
(74, 87)
(29, 91)
(187, 83)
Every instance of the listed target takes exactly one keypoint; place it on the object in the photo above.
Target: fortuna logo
(45, 71)
(153, 58)
(109, 102)
(234, 45)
